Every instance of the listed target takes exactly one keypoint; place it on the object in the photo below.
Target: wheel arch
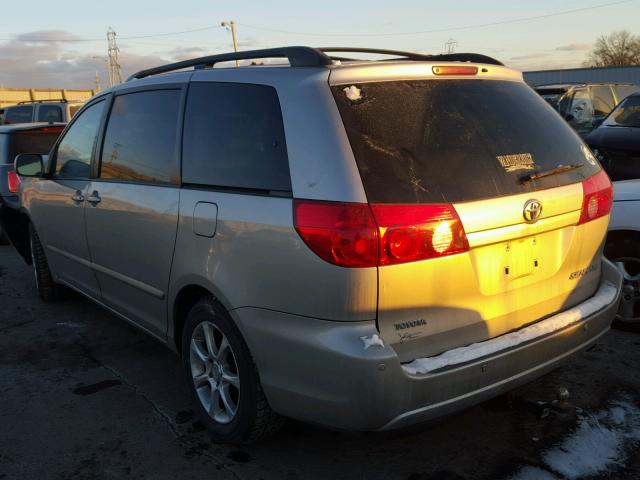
(188, 294)
(16, 226)
(627, 239)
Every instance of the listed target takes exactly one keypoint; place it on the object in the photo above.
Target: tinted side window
(234, 137)
(141, 138)
(603, 101)
(22, 114)
(73, 158)
(49, 113)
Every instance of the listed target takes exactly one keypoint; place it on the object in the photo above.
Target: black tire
(48, 290)
(254, 418)
(622, 249)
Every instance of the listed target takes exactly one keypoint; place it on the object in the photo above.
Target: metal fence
(584, 75)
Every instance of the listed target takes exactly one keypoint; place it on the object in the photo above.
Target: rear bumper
(321, 372)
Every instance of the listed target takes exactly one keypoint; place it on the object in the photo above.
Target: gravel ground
(86, 396)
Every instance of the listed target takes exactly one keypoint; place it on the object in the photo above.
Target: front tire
(48, 290)
(222, 378)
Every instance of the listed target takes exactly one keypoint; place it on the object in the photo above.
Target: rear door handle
(94, 198)
(78, 197)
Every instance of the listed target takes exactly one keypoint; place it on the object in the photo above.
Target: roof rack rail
(61, 100)
(297, 56)
(445, 57)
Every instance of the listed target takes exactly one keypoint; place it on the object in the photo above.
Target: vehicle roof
(27, 126)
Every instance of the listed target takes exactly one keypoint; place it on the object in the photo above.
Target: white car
(623, 248)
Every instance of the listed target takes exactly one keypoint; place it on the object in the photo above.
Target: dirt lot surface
(86, 396)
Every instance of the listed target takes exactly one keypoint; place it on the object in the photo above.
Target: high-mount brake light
(52, 129)
(362, 235)
(13, 181)
(597, 197)
(454, 70)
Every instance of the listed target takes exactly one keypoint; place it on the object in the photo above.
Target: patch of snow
(353, 93)
(600, 443)
(373, 340)
(603, 297)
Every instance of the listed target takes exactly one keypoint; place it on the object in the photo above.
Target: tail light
(359, 235)
(597, 197)
(417, 232)
(340, 233)
(13, 180)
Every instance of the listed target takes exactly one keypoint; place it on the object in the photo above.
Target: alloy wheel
(215, 372)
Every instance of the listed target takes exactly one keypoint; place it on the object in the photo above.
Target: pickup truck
(15, 139)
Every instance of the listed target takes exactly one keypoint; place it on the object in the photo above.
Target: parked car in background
(56, 111)
(15, 139)
(616, 143)
(1, 115)
(365, 271)
(623, 248)
(585, 105)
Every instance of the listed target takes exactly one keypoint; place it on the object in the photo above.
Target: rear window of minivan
(432, 141)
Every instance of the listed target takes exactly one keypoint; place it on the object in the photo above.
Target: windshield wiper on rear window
(547, 173)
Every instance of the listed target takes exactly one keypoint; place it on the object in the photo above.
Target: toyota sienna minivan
(359, 244)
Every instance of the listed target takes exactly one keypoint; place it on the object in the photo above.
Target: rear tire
(229, 397)
(48, 290)
(625, 254)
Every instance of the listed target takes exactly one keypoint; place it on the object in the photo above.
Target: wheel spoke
(200, 380)
(229, 406)
(214, 404)
(198, 351)
(224, 346)
(207, 328)
(231, 378)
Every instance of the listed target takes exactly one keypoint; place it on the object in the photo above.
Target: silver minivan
(358, 244)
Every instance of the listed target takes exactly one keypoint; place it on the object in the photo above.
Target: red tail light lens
(359, 235)
(417, 232)
(340, 233)
(52, 129)
(13, 181)
(597, 197)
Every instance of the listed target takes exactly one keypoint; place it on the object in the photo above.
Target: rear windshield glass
(29, 141)
(22, 114)
(627, 114)
(435, 141)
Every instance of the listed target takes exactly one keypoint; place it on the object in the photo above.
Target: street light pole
(232, 27)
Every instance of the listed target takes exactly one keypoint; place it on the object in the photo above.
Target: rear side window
(603, 101)
(434, 141)
(234, 137)
(49, 113)
(140, 143)
(21, 114)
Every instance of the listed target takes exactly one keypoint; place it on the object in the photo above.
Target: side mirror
(28, 165)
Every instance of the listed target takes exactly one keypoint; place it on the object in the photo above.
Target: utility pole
(231, 26)
(115, 76)
(97, 80)
(450, 46)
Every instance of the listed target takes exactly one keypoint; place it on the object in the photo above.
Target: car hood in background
(615, 138)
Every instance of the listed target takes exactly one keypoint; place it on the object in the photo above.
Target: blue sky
(62, 61)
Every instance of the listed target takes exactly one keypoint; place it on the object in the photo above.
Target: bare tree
(619, 49)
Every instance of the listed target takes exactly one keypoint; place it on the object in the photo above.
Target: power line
(439, 30)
